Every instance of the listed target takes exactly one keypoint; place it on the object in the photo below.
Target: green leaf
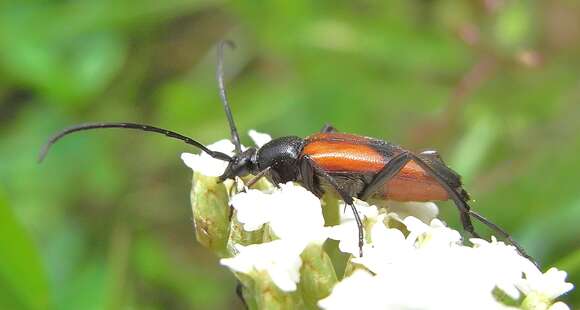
(23, 284)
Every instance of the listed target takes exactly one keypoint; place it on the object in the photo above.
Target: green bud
(536, 302)
(240, 236)
(506, 299)
(269, 296)
(209, 203)
(248, 290)
(317, 275)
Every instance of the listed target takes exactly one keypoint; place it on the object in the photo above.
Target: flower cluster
(277, 241)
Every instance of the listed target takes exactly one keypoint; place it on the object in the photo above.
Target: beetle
(350, 165)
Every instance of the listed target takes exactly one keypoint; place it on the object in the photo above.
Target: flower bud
(209, 203)
(317, 275)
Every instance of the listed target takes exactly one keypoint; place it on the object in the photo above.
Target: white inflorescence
(411, 259)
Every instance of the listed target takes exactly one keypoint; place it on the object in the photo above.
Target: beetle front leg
(307, 177)
(310, 168)
(258, 176)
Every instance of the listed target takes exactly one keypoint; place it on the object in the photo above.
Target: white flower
(207, 165)
(388, 245)
(297, 214)
(425, 211)
(253, 208)
(435, 236)
(361, 290)
(279, 258)
(550, 284)
(292, 212)
(559, 306)
(259, 138)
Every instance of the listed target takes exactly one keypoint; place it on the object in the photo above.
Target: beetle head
(241, 165)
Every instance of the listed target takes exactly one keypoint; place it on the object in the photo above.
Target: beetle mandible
(351, 165)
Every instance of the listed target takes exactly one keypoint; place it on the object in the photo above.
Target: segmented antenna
(222, 90)
(169, 133)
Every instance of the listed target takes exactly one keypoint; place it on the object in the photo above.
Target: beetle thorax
(281, 155)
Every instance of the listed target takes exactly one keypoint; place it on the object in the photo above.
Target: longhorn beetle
(351, 165)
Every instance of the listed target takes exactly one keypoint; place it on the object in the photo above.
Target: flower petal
(279, 258)
(207, 165)
(359, 291)
(259, 138)
(297, 214)
(424, 211)
(551, 284)
(559, 306)
(254, 208)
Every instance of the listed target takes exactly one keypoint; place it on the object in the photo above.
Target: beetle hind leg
(389, 171)
(466, 212)
(456, 194)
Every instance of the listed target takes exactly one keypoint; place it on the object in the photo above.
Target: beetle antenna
(169, 133)
(222, 91)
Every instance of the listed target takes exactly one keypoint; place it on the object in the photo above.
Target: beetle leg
(389, 170)
(431, 154)
(274, 178)
(307, 178)
(396, 164)
(399, 161)
(343, 195)
(328, 128)
(504, 234)
(257, 177)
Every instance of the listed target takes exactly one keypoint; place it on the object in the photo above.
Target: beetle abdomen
(412, 183)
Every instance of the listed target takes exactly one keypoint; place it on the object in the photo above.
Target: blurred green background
(105, 222)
